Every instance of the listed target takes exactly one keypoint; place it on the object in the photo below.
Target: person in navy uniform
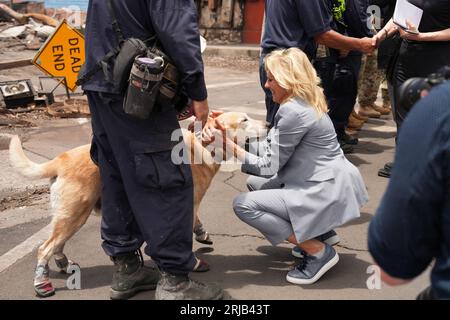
(301, 24)
(145, 196)
(339, 70)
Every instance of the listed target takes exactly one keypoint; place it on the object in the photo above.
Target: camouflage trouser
(370, 79)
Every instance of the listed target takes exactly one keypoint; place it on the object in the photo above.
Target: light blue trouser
(264, 209)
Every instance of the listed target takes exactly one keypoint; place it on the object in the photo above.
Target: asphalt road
(242, 261)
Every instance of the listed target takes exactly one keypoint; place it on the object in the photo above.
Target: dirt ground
(23, 198)
(234, 63)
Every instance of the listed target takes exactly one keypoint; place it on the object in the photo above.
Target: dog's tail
(28, 168)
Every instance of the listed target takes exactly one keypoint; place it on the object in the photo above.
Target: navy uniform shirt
(412, 224)
(173, 21)
(294, 23)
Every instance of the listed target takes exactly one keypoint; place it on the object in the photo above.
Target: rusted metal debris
(15, 64)
(70, 108)
(26, 116)
(11, 121)
(24, 18)
(10, 13)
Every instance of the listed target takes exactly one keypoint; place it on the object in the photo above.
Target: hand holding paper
(411, 33)
(407, 16)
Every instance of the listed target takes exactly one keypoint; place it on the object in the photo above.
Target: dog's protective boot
(62, 263)
(42, 285)
(65, 265)
(201, 266)
(181, 287)
(131, 276)
(201, 235)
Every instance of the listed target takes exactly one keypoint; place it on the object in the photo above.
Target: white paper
(405, 10)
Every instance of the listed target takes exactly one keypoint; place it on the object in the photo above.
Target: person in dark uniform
(411, 228)
(301, 24)
(339, 70)
(145, 196)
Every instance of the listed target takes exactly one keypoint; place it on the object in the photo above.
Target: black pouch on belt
(143, 86)
(129, 50)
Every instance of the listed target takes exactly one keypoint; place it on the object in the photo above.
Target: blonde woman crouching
(302, 186)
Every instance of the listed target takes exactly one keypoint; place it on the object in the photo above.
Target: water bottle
(143, 86)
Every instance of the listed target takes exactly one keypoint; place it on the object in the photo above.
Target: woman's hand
(214, 135)
(210, 130)
(217, 137)
(411, 33)
(196, 127)
(210, 133)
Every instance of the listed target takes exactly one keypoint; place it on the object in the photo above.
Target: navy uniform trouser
(340, 83)
(145, 196)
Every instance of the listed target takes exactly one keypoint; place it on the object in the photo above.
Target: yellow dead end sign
(62, 55)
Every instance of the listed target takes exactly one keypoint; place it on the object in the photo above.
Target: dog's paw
(44, 289)
(65, 265)
(201, 266)
(204, 238)
(41, 274)
(62, 264)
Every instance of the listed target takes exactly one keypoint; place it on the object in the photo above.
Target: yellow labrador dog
(76, 188)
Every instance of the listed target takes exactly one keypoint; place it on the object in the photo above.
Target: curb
(233, 51)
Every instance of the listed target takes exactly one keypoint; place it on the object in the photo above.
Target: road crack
(225, 235)
(227, 182)
(351, 249)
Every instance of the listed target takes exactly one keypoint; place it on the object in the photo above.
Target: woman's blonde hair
(292, 70)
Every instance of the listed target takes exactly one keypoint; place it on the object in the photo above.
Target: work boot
(382, 110)
(181, 287)
(368, 111)
(354, 123)
(385, 172)
(346, 148)
(131, 276)
(351, 132)
(348, 139)
(359, 116)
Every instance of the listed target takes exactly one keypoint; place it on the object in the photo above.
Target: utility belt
(326, 55)
(144, 73)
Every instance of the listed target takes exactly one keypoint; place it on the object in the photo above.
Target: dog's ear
(216, 113)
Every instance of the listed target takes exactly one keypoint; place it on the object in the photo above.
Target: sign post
(62, 55)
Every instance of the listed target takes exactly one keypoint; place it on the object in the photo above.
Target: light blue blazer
(302, 156)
